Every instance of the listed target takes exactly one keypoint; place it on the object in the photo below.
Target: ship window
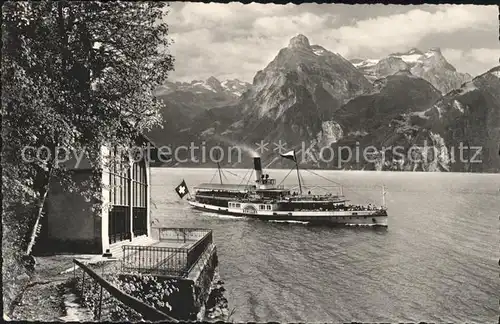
(238, 205)
(262, 207)
(268, 207)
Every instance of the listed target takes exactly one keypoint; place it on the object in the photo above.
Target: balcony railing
(182, 234)
(197, 250)
(170, 261)
(154, 260)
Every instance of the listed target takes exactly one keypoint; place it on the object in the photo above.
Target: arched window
(139, 197)
(119, 198)
(127, 197)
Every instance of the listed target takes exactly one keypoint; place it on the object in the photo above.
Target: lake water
(437, 260)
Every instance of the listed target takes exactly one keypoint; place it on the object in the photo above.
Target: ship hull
(362, 217)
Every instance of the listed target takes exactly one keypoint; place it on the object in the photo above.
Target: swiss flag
(182, 189)
(290, 155)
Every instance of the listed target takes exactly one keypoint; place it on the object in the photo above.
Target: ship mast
(220, 175)
(298, 174)
(218, 168)
(383, 197)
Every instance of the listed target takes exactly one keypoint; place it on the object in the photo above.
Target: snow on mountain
(365, 63)
(318, 50)
(233, 87)
(430, 65)
(412, 58)
(308, 94)
(204, 85)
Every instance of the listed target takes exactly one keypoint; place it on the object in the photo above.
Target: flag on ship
(182, 189)
(289, 155)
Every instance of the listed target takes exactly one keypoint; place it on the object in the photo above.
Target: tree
(75, 76)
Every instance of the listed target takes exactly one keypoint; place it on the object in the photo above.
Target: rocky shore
(216, 308)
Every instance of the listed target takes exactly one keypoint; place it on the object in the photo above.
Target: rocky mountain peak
(388, 66)
(211, 87)
(434, 58)
(435, 49)
(412, 51)
(299, 41)
(301, 79)
(213, 79)
(214, 83)
(430, 65)
(415, 51)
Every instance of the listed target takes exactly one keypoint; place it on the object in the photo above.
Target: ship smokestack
(258, 169)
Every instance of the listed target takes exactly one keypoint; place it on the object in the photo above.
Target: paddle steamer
(266, 200)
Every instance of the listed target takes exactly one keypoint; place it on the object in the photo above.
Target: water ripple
(436, 262)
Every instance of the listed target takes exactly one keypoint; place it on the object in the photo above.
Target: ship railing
(319, 198)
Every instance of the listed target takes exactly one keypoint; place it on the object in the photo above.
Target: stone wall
(203, 282)
(186, 300)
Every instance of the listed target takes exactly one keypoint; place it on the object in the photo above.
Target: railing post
(83, 284)
(124, 258)
(100, 306)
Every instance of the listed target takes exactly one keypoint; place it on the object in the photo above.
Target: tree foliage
(75, 76)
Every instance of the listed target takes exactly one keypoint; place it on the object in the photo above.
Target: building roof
(155, 155)
(146, 139)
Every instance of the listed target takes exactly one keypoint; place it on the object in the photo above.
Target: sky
(235, 40)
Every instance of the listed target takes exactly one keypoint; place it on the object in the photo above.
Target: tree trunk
(36, 227)
(44, 190)
(63, 37)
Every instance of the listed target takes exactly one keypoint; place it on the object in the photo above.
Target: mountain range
(316, 101)
(430, 66)
(183, 101)
(231, 88)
